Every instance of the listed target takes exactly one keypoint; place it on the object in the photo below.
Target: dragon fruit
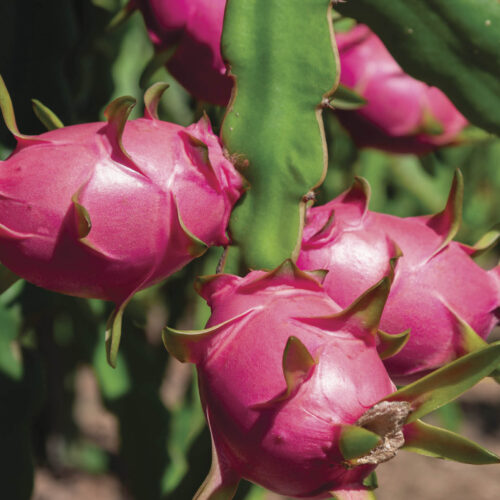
(251, 396)
(189, 32)
(295, 394)
(105, 209)
(402, 114)
(440, 294)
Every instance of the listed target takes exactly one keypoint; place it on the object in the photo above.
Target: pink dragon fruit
(402, 114)
(295, 394)
(191, 31)
(439, 293)
(105, 209)
(283, 373)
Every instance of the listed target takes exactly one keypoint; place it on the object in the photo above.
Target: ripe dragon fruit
(189, 33)
(295, 394)
(106, 209)
(439, 293)
(402, 114)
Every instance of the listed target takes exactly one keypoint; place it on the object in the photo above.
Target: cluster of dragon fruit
(301, 369)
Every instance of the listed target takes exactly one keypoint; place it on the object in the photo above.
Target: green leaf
(356, 441)
(436, 442)
(450, 44)
(281, 55)
(346, 98)
(447, 383)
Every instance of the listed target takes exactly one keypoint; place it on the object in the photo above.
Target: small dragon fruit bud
(284, 376)
(402, 114)
(439, 293)
(188, 34)
(106, 209)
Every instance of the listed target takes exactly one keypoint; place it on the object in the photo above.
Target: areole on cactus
(295, 394)
(440, 294)
(106, 209)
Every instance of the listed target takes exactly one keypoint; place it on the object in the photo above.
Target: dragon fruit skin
(105, 209)
(193, 30)
(402, 114)
(284, 435)
(439, 292)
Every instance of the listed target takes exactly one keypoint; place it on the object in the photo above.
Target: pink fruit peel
(402, 114)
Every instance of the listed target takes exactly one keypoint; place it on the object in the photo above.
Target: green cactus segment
(355, 442)
(117, 113)
(441, 443)
(114, 333)
(447, 383)
(282, 57)
(358, 493)
(389, 345)
(452, 45)
(181, 343)
(9, 117)
(48, 118)
(447, 223)
(346, 98)
(152, 97)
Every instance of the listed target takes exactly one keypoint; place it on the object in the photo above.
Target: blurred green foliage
(60, 52)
